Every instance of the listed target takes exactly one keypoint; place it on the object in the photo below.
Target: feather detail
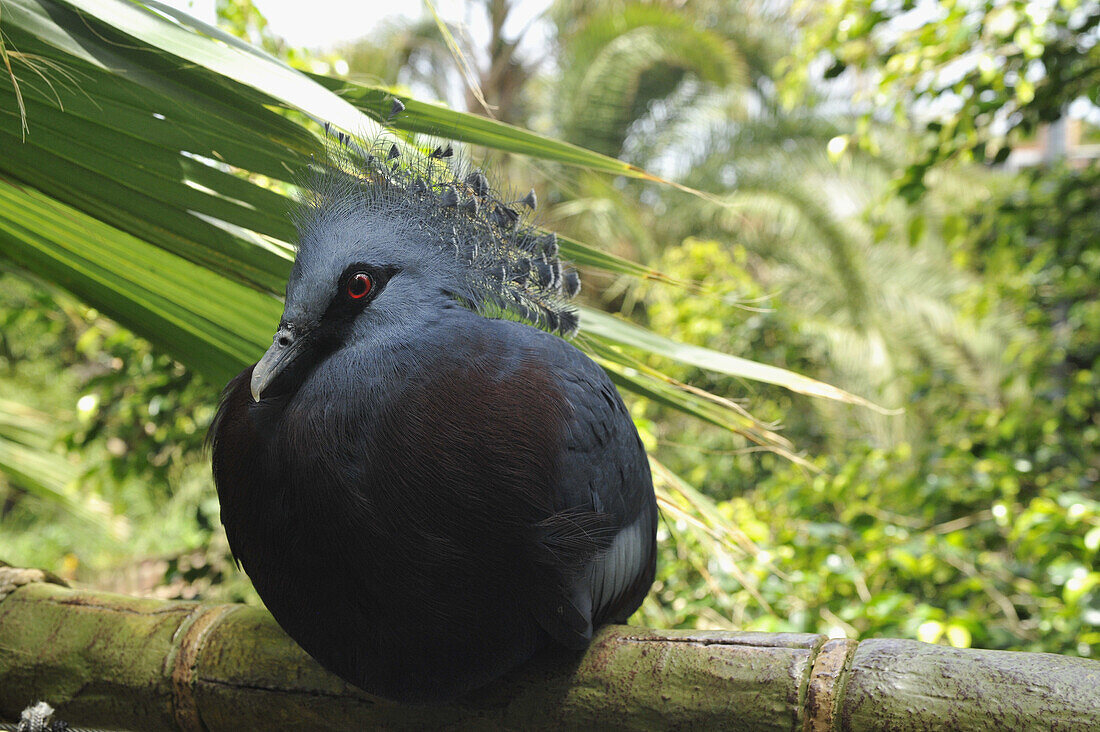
(500, 263)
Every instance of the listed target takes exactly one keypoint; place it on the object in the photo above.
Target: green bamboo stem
(117, 662)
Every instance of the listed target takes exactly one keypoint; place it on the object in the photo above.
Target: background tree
(967, 75)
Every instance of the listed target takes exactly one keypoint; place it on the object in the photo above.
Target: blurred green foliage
(131, 423)
(986, 531)
(964, 74)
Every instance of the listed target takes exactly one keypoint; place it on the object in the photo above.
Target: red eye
(359, 285)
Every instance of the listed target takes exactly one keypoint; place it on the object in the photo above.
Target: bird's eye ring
(359, 285)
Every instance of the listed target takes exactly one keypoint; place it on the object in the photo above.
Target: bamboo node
(826, 679)
(194, 630)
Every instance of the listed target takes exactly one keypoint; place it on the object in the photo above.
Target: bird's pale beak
(282, 353)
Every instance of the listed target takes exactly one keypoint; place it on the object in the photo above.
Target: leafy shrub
(985, 531)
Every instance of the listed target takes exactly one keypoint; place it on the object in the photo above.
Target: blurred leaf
(27, 461)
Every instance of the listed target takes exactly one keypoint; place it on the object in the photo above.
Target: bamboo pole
(118, 662)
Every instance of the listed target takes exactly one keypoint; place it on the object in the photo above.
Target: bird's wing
(601, 541)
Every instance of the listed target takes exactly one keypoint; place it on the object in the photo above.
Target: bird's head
(385, 241)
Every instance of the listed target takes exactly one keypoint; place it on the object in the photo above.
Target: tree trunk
(118, 662)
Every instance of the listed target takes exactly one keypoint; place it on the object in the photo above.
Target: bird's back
(427, 511)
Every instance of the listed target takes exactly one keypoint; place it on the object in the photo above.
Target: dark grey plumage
(422, 495)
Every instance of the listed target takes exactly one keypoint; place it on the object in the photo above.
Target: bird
(426, 482)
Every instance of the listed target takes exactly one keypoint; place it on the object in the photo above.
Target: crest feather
(502, 262)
